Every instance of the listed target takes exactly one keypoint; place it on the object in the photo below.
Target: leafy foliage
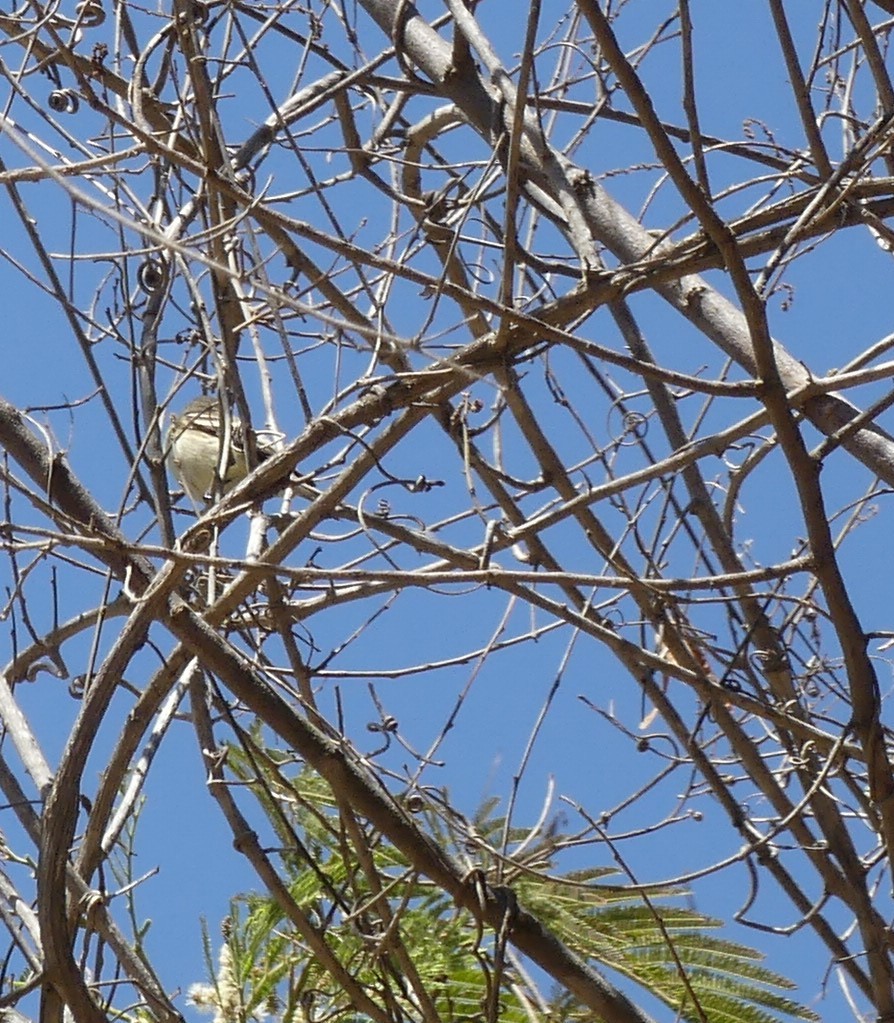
(643, 935)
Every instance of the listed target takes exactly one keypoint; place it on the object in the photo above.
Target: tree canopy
(530, 642)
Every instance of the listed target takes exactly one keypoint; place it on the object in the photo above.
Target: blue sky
(832, 308)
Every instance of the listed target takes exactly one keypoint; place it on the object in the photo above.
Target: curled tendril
(768, 661)
(746, 446)
(634, 425)
(151, 275)
(479, 272)
(414, 803)
(64, 101)
(90, 13)
(613, 617)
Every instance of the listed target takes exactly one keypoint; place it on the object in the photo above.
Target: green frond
(728, 978)
(644, 935)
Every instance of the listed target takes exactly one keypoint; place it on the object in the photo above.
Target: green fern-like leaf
(665, 948)
(406, 924)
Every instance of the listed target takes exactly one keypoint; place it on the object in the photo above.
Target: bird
(194, 440)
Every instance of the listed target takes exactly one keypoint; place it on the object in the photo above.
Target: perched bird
(194, 441)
